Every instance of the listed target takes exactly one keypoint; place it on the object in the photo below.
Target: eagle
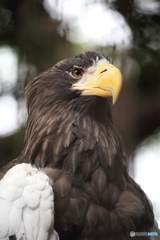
(70, 181)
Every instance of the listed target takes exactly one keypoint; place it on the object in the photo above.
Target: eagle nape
(70, 181)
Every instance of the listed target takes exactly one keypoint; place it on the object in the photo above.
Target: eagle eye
(77, 73)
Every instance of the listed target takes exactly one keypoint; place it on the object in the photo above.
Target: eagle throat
(64, 138)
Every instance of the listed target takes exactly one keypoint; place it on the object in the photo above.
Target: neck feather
(82, 139)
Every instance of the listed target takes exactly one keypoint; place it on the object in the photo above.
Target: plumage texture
(72, 137)
(26, 204)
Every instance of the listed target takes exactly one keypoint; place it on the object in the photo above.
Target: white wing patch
(26, 204)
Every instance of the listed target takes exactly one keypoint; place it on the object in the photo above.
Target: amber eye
(77, 72)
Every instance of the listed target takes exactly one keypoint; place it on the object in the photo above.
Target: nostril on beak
(105, 70)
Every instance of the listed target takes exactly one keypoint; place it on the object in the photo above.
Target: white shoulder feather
(26, 204)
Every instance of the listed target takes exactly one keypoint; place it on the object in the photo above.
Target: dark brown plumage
(74, 139)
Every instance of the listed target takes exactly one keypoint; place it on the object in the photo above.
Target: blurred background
(35, 34)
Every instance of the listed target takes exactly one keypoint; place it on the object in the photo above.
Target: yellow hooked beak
(106, 83)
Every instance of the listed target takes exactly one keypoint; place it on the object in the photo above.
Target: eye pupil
(78, 72)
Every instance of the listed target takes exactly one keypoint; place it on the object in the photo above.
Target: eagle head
(85, 75)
